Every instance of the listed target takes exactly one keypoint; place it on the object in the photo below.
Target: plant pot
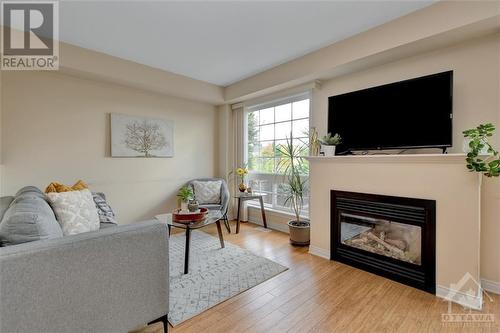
(193, 206)
(242, 187)
(299, 232)
(466, 149)
(328, 150)
(184, 206)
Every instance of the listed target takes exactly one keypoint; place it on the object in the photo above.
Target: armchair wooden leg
(226, 224)
(238, 217)
(164, 321)
(219, 231)
(263, 212)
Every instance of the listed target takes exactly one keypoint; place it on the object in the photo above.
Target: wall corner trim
(491, 286)
(319, 252)
(473, 302)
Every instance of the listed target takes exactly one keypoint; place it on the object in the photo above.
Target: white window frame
(268, 104)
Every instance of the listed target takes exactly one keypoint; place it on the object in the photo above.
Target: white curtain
(238, 153)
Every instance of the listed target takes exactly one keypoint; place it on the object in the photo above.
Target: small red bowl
(177, 216)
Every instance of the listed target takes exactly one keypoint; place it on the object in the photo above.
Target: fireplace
(394, 237)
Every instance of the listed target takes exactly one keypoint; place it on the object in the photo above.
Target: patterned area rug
(215, 274)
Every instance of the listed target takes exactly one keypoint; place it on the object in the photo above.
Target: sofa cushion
(28, 218)
(207, 191)
(31, 190)
(104, 210)
(4, 205)
(75, 211)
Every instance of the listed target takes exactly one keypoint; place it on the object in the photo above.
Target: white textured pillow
(75, 211)
(207, 192)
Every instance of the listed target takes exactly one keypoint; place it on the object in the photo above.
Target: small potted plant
(293, 168)
(185, 194)
(329, 143)
(481, 156)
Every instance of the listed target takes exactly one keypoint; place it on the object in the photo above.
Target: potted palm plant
(294, 170)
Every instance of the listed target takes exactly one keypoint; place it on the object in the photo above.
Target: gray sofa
(111, 280)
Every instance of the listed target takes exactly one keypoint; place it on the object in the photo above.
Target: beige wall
(57, 127)
(476, 66)
(476, 82)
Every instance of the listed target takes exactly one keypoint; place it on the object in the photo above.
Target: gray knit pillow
(104, 210)
(207, 191)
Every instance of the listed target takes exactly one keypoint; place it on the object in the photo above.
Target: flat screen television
(414, 113)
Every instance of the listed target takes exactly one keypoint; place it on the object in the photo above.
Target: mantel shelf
(392, 158)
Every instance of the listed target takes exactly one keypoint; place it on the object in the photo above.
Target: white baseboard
(491, 286)
(473, 302)
(317, 251)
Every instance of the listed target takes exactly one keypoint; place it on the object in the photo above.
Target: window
(267, 127)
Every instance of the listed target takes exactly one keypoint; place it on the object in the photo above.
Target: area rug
(215, 274)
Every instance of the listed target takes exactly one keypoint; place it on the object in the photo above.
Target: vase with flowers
(242, 172)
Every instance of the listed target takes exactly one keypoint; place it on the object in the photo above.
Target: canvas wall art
(135, 136)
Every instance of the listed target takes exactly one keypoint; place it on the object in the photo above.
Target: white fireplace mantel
(392, 158)
(440, 177)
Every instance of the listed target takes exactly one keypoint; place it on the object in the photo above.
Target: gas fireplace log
(388, 246)
(399, 243)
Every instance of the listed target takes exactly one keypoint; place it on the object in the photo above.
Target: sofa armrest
(106, 281)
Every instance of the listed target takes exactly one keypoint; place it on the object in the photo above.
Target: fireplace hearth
(390, 236)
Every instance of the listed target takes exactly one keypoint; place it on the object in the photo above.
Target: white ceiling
(219, 42)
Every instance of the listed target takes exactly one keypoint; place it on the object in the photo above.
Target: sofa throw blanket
(75, 211)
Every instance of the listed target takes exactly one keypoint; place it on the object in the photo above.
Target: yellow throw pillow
(59, 188)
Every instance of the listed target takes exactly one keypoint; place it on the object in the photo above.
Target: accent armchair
(222, 205)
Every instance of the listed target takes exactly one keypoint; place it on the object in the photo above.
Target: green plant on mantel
(488, 165)
(329, 140)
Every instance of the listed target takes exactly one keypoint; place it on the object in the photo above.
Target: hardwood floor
(318, 295)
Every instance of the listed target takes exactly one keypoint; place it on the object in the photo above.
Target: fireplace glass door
(384, 237)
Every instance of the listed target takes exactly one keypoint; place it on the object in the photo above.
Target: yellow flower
(241, 171)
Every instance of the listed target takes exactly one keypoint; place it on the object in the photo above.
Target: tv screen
(415, 113)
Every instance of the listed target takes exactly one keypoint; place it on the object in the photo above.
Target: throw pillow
(207, 192)
(104, 210)
(58, 187)
(75, 211)
(28, 218)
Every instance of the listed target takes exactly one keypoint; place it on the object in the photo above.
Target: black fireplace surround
(394, 237)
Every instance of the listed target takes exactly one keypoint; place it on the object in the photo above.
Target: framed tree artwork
(135, 136)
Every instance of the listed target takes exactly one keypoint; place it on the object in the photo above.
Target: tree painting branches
(144, 137)
(139, 136)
